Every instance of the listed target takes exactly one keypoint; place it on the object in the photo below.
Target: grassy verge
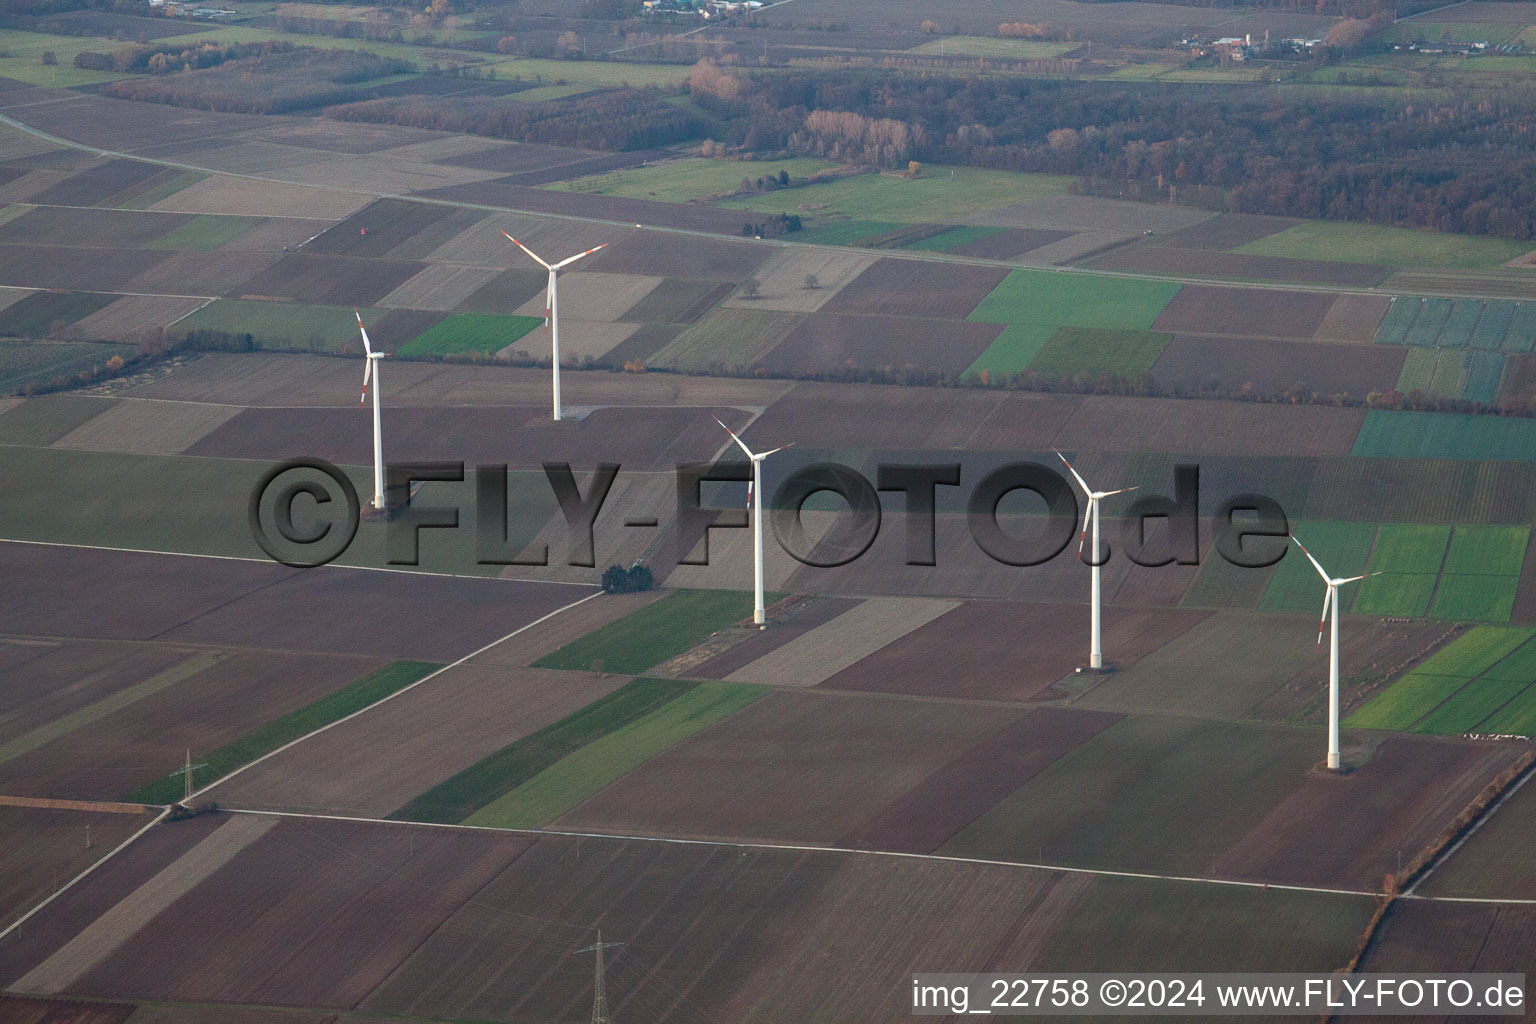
(330, 708)
(656, 632)
(583, 772)
(487, 780)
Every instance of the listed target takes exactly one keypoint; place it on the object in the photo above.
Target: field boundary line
(268, 561)
(404, 689)
(119, 848)
(744, 844)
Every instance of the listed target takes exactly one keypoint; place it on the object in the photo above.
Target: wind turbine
(755, 503)
(552, 307)
(1331, 600)
(371, 369)
(1095, 648)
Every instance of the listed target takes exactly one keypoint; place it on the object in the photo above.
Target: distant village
(705, 9)
(177, 9)
(1236, 49)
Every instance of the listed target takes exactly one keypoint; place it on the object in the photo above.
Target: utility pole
(599, 994)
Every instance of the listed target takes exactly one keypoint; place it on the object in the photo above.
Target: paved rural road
(803, 848)
(931, 257)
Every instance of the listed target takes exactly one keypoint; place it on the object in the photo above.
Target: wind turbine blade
(738, 440)
(1354, 579)
(367, 372)
(527, 250)
(549, 299)
(1123, 490)
(778, 449)
(1327, 596)
(1087, 515)
(573, 259)
(1080, 481)
(1326, 578)
(366, 347)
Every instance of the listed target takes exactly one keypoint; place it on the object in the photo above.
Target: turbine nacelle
(742, 444)
(1094, 497)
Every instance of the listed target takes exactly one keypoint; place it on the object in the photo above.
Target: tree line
(1460, 160)
(614, 120)
(275, 83)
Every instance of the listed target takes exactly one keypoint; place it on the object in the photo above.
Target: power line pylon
(599, 995)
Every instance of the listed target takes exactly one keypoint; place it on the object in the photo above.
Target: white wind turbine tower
(1095, 648)
(552, 307)
(1331, 601)
(371, 370)
(755, 503)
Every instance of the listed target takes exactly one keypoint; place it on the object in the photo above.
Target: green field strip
(205, 232)
(1086, 350)
(1475, 598)
(487, 780)
(332, 707)
(1430, 435)
(1409, 555)
(1518, 666)
(953, 238)
(1396, 594)
(1450, 378)
(281, 325)
(1521, 335)
(1410, 548)
(1393, 328)
(655, 633)
(1434, 32)
(1342, 548)
(1518, 717)
(1418, 370)
(1405, 701)
(66, 724)
(605, 760)
(1354, 242)
(40, 314)
(1487, 550)
(149, 197)
(1497, 313)
(1485, 371)
(1074, 300)
(1470, 706)
(470, 332)
(1475, 651)
(1433, 314)
(1012, 350)
(940, 195)
(1459, 326)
